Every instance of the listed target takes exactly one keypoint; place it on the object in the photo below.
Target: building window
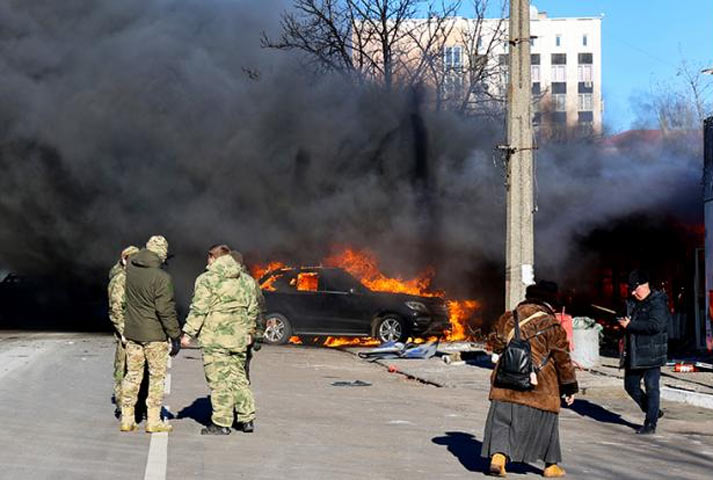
(559, 101)
(584, 40)
(585, 58)
(535, 59)
(503, 60)
(584, 73)
(559, 73)
(585, 87)
(559, 87)
(559, 118)
(585, 102)
(452, 58)
(537, 118)
(535, 73)
(480, 42)
(558, 40)
(585, 117)
(536, 88)
(559, 59)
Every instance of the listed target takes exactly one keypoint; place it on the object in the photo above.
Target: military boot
(127, 420)
(154, 424)
(214, 429)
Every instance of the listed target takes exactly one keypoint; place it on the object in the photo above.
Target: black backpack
(515, 367)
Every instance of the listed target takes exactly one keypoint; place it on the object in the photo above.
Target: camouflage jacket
(117, 297)
(224, 308)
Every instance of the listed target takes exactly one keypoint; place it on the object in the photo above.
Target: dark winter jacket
(150, 308)
(547, 339)
(646, 334)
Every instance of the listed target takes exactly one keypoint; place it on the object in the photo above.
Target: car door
(293, 296)
(345, 308)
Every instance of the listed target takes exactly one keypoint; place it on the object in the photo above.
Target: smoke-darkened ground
(125, 119)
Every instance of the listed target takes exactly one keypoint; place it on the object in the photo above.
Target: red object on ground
(566, 321)
(684, 368)
(393, 369)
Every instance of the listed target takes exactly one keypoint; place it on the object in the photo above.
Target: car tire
(278, 329)
(389, 328)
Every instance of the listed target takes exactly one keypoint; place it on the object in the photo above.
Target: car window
(280, 282)
(307, 281)
(341, 281)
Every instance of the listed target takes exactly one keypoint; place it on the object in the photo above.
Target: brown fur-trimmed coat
(546, 336)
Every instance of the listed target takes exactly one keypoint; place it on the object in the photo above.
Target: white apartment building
(566, 66)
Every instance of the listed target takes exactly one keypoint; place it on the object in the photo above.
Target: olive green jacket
(150, 314)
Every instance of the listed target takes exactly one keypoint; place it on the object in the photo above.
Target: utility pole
(519, 244)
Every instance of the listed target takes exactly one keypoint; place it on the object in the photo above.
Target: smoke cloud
(121, 120)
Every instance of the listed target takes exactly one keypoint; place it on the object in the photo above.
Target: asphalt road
(57, 423)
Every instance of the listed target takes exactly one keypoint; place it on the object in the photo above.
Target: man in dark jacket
(150, 321)
(646, 346)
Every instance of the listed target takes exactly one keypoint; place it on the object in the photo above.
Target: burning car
(328, 301)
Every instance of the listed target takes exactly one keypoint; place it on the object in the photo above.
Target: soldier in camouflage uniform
(150, 321)
(223, 317)
(260, 330)
(117, 303)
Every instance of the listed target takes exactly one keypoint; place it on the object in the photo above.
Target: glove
(256, 346)
(175, 346)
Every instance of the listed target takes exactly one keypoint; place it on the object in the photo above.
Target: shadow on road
(596, 412)
(200, 411)
(466, 448)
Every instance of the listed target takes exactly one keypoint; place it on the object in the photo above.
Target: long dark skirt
(522, 433)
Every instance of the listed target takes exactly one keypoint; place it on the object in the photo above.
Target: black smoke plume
(121, 120)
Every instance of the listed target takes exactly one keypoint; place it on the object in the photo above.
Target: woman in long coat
(522, 426)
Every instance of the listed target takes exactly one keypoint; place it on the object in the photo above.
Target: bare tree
(678, 105)
(398, 42)
(473, 85)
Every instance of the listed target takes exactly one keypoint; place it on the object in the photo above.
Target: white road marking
(157, 460)
(158, 457)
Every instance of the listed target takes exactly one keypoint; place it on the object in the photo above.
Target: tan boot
(497, 465)
(154, 424)
(554, 471)
(127, 420)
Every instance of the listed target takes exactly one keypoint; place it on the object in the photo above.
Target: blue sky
(643, 44)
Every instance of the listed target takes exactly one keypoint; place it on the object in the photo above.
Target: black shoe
(660, 413)
(117, 412)
(214, 429)
(248, 427)
(646, 430)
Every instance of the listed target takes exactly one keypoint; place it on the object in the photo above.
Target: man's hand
(569, 400)
(624, 322)
(175, 347)
(123, 340)
(185, 341)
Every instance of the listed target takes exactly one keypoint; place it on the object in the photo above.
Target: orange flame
(258, 271)
(365, 267)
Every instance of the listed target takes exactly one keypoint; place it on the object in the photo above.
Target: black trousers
(648, 401)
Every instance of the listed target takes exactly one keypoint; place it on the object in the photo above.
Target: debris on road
(355, 383)
(390, 350)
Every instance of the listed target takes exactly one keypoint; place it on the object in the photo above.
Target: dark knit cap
(636, 278)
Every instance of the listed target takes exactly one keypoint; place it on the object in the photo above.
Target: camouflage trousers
(119, 369)
(229, 386)
(156, 355)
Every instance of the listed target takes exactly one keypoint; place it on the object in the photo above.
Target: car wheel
(389, 329)
(277, 329)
